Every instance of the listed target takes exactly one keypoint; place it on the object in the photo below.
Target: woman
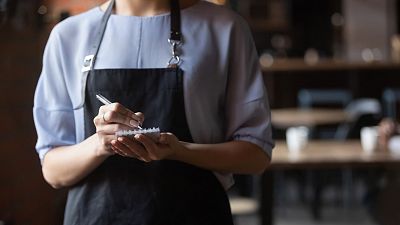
(192, 72)
(388, 131)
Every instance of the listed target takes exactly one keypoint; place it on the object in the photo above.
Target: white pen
(105, 101)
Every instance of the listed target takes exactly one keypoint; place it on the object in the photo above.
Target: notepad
(153, 133)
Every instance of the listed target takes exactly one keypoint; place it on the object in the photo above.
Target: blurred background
(332, 72)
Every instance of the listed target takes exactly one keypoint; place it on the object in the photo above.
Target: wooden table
(296, 65)
(318, 155)
(329, 153)
(289, 117)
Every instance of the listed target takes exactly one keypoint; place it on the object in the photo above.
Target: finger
(139, 117)
(111, 129)
(168, 138)
(118, 148)
(126, 112)
(163, 138)
(116, 151)
(149, 144)
(116, 117)
(117, 113)
(114, 107)
(135, 148)
(98, 120)
(125, 151)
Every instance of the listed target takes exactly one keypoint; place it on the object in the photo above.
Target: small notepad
(153, 133)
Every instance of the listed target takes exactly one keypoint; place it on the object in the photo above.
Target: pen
(105, 101)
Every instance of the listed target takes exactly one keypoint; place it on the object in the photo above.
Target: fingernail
(120, 139)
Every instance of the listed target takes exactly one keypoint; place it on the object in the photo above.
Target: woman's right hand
(110, 119)
(387, 128)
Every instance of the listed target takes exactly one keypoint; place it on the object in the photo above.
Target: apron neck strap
(102, 27)
(175, 21)
(89, 60)
(175, 35)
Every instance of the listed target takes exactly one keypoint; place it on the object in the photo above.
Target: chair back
(308, 98)
(362, 113)
(363, 106)
(391, 97)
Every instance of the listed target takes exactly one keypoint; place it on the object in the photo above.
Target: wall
(25, 198)
(72, 6)
(360, 17)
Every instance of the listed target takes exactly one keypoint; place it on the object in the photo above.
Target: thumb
(168, 138)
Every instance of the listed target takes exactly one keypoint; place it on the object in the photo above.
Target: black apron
(126, 190)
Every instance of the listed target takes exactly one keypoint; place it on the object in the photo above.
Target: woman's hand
(387, 128)
(145, 149)
(228, 157)
(110, 119)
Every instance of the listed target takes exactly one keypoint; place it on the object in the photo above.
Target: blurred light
(42, 10)
(279, 41)
(337, 20)
(219, 2)
(266, 59)
(377, 53)
(395, 42)
(367, 55)
(311, 56)
(371, 55)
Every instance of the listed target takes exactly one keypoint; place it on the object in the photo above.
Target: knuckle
(117, 106)
(96, 120)
(140, 115)
(110, 115)
(102, 109)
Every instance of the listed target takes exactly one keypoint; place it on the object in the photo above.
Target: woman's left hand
(145, 149)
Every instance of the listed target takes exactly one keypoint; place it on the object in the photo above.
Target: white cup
(297, 138)
(369, 138)
(394, 144)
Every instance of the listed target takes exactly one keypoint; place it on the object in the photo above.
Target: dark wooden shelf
(263, 25)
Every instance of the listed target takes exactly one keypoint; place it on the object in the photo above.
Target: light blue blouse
(225, 97)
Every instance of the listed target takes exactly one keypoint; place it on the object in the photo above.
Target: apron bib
(128, 191)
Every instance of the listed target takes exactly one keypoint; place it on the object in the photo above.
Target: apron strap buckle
(174, 62)
(175, 59)
(87, 63)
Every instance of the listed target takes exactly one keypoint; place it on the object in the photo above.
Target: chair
(327, 98)
(391, 97)
(362, 112)
(308, 98)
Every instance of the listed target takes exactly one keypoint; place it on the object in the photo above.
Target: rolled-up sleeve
(247, 109)
(52, 112)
